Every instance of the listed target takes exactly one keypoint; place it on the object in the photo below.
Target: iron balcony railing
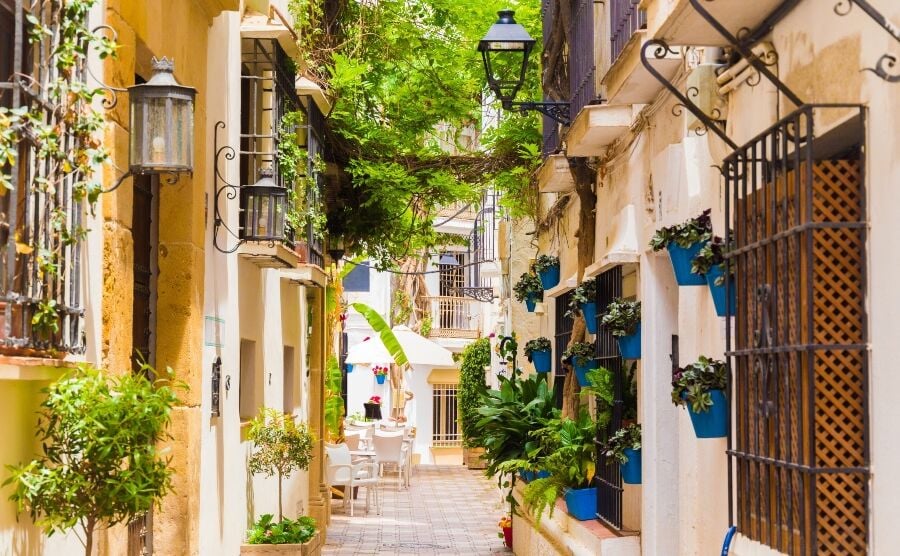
(550, 128)
(625, 19)
(454, 317)
(582, 61)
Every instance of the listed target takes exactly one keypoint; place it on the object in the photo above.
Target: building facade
(777, 118)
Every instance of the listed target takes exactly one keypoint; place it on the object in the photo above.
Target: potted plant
(529, 290)
(701, 387)
(571, 466)
(584, 297)
(623, 319)
(710, 262)
(380, 373)
(373, 408)
(288, 537)
(538, 352)
(472, 387)
(505, 533)
(581, 355)
(547, 268)
(624, 448)
(683, 242)
(89, 425)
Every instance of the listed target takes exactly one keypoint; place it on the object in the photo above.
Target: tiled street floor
(447, 510)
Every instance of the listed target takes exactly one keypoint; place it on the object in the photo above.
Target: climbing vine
(58, 126)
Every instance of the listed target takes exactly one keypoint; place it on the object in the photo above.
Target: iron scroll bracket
(886, 62)
(760, 65)
(222, 186)
(557, 111)
(660, 49)
(485, 294)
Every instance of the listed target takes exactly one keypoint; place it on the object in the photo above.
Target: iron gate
(563, 332)
(799, 445)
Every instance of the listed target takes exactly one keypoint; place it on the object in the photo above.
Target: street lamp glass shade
(505, 50)
(263, 209)
(162, 123)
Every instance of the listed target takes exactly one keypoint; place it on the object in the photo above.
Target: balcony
(455, 317)
(596, 127)
(678, 23)
(554, 175)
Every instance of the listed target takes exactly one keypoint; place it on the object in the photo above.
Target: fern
(539, 495)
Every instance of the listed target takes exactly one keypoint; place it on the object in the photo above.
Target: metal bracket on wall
(886, 62)
(557, 111)
(221, 185)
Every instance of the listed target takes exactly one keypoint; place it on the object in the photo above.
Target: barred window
(444, 416)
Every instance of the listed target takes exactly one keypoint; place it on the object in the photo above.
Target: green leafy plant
(692, 384)
(472, 387)
(427, 324)
(545, 262)
(537, 344)
(334, 402)
(580, 353)
(281, 445)
(528, 286)
(384, 332)
(712, 254)
(585, 292)
(628, 437)
(287, 531)
(622, 317)
(685, 234)
(101, 463)
(601, 384)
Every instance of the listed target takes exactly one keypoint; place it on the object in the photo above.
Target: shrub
(287, 531)
(475, 358)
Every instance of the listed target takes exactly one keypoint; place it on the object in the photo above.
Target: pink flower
(491, 335)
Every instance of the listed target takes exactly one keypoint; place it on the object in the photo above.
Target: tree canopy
(408, 86)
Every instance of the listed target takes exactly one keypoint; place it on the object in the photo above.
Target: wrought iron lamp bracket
(557, 111)
(743, 48)
(485, 294)
(222, 185)
(660, 49)
(886, 62)
(172, 178)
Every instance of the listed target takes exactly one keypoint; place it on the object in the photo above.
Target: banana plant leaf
(384, 332)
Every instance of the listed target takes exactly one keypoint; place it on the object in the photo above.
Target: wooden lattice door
(799, 353)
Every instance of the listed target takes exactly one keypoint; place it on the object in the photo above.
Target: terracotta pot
(301, 248)
(313, 547)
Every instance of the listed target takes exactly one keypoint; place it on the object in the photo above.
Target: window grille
(563, 333)
(444, 416)
(625, 19)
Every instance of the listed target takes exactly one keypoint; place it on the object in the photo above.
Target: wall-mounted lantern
(336, 248)
(162, 125)
(263, 207)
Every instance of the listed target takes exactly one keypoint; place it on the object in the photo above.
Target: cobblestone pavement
(447, 510)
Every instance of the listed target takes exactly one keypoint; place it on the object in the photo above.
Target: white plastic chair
(356, 439)
(390, 449)
(342, 471)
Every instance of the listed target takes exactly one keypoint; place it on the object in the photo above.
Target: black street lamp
(505, 50)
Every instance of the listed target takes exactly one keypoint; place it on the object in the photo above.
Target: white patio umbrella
(419, 350)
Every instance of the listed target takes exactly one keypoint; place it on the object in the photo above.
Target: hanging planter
(683, 242)
(624, 448)
(547, 268)
(584, 302)
(529, 476)
(581, 354)
(710, 261)
(380, 373)
(349, 367)
(581, 503)
(538, 352)
(529, 290)
(701, 387)
(623, 319)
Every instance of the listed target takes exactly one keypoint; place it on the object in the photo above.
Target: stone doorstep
(571, 536)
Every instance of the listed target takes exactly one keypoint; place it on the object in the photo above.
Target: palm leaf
(384, 332)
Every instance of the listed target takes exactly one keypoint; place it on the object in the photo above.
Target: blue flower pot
(631, 470)
(681, 258)
(582, 369)
(589, 311)
(530, 302)
(349, 367)
(529, 476)
(724, 304)
(380, 378)
(630, 346)
(542, 360)
(581, 503)
(712, 423)
(550, 277)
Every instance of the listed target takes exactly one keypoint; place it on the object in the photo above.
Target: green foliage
(529, 285)
(101, 464)
(625, 438)
(622, 317)
(684, 234)
(710, 255)
(545, 262)
(538, 344)
(334, 403)
(693, 383)
(64, 148)
(426, 326)
(472, 387)
(585, 292)
(384, 332)
(579, 352)
(407, 86)
(287, 531)
(601, 384)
